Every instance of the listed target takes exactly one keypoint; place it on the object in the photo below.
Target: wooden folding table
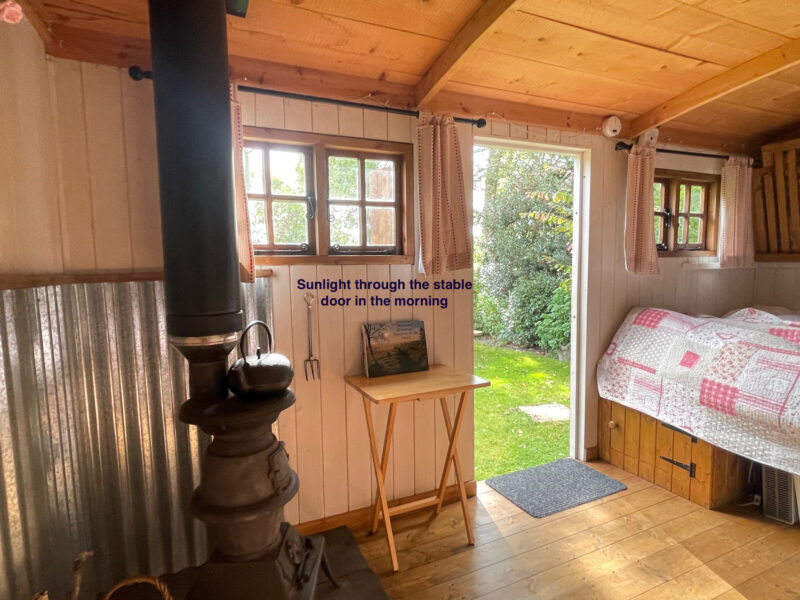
(437, 382)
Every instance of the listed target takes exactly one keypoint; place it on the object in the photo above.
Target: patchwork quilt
(730, 381)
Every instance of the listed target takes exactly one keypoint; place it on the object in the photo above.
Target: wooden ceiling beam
(748, 72)
(103, 48)
(478, 27)
(31, 9)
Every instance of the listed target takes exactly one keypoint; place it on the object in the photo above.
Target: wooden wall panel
(403, 454)
(344, 454)
(333, 400)
(76, 194)
(425, 412)
(142, 173)
(30, 231)
(282, 330)
(107, 167)
(308, 407)
(359, 464)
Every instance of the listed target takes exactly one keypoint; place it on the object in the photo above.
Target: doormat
(548, 489)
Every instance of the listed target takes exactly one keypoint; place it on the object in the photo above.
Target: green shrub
(489, 310)
(529, 300)
(553, 330)
(524, 250)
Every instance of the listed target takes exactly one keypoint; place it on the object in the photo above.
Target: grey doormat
(548, 489)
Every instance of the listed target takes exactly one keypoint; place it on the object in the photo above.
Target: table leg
(387, 443)
(452, 454)
(380, 474)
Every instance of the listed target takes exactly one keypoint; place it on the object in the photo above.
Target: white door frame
(580, 279)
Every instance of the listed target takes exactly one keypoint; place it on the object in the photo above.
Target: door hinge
(691, 467)
(677, 430)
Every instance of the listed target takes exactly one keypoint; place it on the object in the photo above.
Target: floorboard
(644, 543)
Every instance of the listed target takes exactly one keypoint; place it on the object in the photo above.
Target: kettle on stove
(259, 375)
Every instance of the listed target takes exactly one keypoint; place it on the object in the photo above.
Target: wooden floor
(644, 542)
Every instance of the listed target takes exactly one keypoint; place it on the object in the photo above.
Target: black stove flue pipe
(193, 130)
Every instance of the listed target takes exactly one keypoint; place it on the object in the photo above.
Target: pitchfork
(312, 361)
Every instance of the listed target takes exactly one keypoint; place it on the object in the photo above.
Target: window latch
(668, 217)
(311, 206)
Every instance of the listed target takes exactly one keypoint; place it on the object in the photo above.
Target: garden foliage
(523, 255)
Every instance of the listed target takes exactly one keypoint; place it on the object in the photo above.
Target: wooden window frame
(672, 181)
(322, 146)
(269, 198)
(362, 203)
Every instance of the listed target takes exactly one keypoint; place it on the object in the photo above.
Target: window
(280, 197)
(363, 208)
(326, 196)
(685, 207)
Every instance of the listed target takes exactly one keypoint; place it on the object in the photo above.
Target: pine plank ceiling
(565, 63)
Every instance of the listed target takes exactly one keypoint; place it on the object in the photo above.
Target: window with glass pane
(691, 216)
(685, 209)
(661, 212)
(364, 203)
(280, 197)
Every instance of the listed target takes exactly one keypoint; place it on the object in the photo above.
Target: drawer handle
(612, 424)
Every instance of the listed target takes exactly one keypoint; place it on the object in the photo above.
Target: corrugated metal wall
(92, 455)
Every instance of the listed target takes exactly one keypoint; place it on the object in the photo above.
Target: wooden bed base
(672, 459)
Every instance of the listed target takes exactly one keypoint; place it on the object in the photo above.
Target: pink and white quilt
(733, 382)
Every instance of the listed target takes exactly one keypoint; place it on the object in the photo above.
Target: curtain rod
(137, 73)
(479, 123)
(624, 146)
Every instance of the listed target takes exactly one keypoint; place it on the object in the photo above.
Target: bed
(731, 381)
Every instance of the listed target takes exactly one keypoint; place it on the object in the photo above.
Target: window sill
(686, 253)
(385, 259)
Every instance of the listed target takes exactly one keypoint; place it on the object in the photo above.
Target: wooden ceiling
(713, 73)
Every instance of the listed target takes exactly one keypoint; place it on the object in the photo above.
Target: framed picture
(392, 347)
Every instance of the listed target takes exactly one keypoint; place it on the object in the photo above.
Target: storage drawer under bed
(672, 459)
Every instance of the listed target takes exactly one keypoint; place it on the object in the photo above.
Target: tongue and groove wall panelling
(359, 463)
(28, 193)
(347, 481)
(142, 171)
(464, 359)
(443, 354)
(404, 422)
(107, 167)
(380, 413)
(75, 197)
(308, 408)
(461, 307)
(425, 412)
(282, 330)
(333, 400)
(778, 284)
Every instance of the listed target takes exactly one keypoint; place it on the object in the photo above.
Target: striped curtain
(247, 267)
(444, 225)
(641, 256)
(736, 248)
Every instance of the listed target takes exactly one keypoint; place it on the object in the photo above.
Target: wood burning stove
(246, 477)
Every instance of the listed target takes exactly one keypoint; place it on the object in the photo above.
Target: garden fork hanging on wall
(312, 361)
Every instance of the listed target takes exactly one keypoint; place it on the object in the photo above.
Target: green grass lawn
(506, 439)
